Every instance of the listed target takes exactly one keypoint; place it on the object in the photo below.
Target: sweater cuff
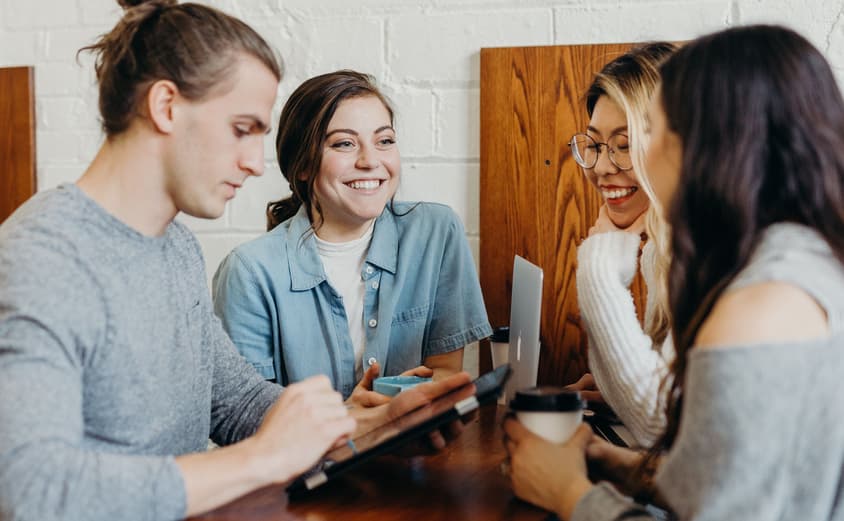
(604, 502)
(610, 253)
(170, 495)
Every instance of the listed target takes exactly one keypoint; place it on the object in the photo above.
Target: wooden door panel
(535, 202)
(17, 138)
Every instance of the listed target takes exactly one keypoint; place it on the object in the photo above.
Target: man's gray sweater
(111, 363)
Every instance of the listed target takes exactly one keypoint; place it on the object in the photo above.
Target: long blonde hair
(630, 80)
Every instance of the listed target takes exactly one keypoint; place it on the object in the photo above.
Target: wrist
(572, 495)
(257, 464)
(367, 417)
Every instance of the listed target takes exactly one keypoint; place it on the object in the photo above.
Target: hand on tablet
(422, 395)
(308, 418)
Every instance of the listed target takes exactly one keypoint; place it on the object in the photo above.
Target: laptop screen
(525, 311)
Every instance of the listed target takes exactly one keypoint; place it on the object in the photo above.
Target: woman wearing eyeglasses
(746, 155)
(627, 362)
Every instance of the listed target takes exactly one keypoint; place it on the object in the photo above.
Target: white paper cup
(499, 346)
(553, 413)
(500, 353)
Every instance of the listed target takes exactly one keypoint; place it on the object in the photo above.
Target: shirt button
(375, 284)
(371, 360)
(369, 270)
(373, 322)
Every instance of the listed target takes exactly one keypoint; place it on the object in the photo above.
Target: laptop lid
(525, 311)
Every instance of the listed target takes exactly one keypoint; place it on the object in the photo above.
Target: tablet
(395, 433)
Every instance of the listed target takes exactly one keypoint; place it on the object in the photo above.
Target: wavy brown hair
(192, 45)
(301, 136)
(761, 122)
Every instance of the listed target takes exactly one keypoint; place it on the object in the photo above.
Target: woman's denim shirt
(422, 298)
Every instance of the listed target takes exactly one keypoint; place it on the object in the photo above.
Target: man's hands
(307, 420)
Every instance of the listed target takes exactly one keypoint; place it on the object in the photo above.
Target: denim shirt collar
(306, 270)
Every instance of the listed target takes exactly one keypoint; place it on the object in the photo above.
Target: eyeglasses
(586, 151)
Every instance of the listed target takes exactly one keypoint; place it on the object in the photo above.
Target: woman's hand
(422, 395)
(548, 475)
(417, 398)
(621, 467)
(364, 396)
(588, 389)
(612, 463)
(604, 224)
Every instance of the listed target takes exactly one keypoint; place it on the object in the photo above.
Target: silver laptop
(525, 311)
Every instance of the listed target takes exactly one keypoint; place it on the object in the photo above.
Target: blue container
(393, 385)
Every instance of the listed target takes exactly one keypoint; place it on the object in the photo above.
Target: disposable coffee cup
(553, 413)
(499, 344)
(499, 348)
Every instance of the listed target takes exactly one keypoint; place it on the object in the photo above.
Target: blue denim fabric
(422, 298)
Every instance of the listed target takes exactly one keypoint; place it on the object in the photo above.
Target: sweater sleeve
(240, 396)
(49, 318)
(627, 369)
(604, 503)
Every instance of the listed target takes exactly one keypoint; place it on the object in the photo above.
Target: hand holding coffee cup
(553, 413)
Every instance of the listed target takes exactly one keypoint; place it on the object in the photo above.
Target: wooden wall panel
(535, 201)
(17, 138)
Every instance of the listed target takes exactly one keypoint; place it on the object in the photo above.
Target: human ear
(161, 98)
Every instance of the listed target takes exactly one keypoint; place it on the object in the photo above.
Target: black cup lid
(500, 334)
(546, 399)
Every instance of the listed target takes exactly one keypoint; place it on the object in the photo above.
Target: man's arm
(299, 428)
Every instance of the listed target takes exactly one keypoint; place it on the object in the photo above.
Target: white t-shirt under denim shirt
(422, 298)
(343, 265)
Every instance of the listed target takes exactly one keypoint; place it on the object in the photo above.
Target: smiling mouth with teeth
(618, 193)
(368, 184)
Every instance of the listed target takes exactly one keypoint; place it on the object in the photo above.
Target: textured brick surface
(425, 54)
(640, 21)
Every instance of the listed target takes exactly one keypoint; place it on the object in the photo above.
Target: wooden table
(461, 482)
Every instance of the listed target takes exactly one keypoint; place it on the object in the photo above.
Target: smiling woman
(348, 282)
(628, 362)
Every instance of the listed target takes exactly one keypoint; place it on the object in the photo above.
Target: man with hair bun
(114, 370)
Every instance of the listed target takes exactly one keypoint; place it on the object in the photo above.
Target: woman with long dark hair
(747, 153)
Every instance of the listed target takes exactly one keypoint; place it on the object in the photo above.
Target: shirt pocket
(406, 339)
(411, 315)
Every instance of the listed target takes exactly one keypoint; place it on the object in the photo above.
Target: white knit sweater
(627, 366)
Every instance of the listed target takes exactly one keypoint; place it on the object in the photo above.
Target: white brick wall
(424, 52)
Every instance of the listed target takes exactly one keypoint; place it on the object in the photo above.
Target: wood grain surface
(17, 138)
(463, 482)
(534, 199)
